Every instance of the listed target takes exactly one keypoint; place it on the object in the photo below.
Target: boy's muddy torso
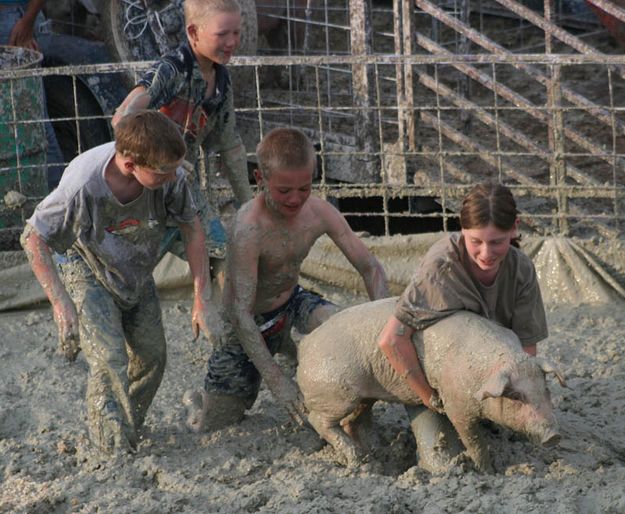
(282, 246)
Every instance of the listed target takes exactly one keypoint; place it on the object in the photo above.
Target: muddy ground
(265, 464)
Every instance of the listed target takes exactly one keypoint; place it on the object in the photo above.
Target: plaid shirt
(176, 76)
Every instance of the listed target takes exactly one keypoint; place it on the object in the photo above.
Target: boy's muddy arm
(282, 387)
(374, 277)
(235, 168)
(205, 313)
(243, 258)
(63, 308)
(396, 344)
(358, 255)
(137, 100)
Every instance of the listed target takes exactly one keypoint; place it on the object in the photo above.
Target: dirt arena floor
(265, 464)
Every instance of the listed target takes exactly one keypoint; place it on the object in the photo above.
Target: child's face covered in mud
(287, 190)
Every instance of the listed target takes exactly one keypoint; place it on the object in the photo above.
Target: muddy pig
(478, 368)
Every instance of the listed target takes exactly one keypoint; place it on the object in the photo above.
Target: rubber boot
(437, 439)
(212, 411)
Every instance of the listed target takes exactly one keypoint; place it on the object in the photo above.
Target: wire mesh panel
(409, 106)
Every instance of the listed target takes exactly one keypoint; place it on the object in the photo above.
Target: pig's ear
(549, 367)
(494, 386)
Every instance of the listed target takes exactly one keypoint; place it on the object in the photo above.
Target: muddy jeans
(126, 353)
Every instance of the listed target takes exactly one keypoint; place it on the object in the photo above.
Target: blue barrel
(23, 180)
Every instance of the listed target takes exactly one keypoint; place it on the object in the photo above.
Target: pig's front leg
(472, 435)
(331, 431)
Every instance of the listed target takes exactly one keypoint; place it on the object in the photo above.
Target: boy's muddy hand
(70, 347)
(206, 318)
(66, 319)
(289, 395)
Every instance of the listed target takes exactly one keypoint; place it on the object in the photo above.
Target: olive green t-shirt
(443, 285)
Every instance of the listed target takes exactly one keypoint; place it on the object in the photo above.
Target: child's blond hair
(284, 148)
(196, 11)
(150, 138)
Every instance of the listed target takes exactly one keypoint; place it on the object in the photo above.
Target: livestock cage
(411, 103)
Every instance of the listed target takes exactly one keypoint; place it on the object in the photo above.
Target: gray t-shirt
(118, 241)
(442, 285)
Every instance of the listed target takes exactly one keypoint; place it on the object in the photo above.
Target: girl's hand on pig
(435, 403)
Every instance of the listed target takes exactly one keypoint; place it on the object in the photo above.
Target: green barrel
(23, 169)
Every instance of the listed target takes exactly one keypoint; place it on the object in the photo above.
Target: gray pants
(126, 353)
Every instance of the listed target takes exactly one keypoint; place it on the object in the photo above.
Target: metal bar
(610, 8)
(616, 206)
(600, 113)
(548, 26)
(361, 38)
(502, 127)
(496, 119)
(449, 166)
(400, 91)
(441, 160)
(474, 147)
(322, 151)
(18, 154)
(325, 60)
(384, 172)
(557, 171)
(515, 98)
(408, 49)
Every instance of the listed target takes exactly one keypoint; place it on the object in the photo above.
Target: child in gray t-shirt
(108, 216)
(478, 270)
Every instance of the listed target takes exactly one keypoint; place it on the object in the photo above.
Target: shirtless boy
(108, 216)
(271, 236)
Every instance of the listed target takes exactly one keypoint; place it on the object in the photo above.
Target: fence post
(366, 165)
(557, 168)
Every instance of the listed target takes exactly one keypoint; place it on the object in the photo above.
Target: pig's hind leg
(359, 425)
(329, 427)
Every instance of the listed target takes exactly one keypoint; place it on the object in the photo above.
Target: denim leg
(110, 415)
(147, 352)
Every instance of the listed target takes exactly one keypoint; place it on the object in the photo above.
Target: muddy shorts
(230, 371)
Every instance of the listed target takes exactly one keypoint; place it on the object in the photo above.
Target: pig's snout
(545, 435)
(550, 438)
